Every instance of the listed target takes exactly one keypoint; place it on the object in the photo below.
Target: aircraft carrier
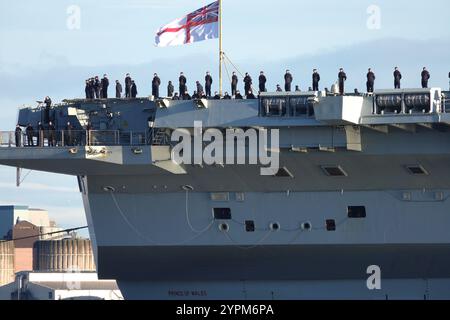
(363, 180)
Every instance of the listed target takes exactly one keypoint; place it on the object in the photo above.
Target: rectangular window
(331, 225)
(222, 213)
(301, 107)
(356, 212)
(273, 107)
(250, 226)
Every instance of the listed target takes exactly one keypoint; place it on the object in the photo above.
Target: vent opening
(417, 170)
(334, 171)
(356, 212)
(284, 173)
(222, 213)
(331, 225)
(224, 227)
(274, 226)
(307, 226)
(250, 226)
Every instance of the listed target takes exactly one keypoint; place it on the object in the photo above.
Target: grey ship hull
(162, 242)
(155, 246)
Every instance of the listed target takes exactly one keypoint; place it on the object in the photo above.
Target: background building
(60, 286)
(47, 266)
(6, 262)
(63, 255)
(10, 215)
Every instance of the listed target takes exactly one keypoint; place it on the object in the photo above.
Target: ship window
(417, 170)
(301, 107)
(356, 212)
(334, 171)
(250, 226)
(273, 107)
(222, 213)
(220, 196)
(283, 173)
(331, 225)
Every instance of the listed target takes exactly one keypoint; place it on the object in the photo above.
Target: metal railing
(446, 102)
(69, 138)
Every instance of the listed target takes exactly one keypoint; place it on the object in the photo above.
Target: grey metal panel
(273, 263)
(395, 289)
(222, 113)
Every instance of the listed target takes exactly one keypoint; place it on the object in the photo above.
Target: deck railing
(68, 138)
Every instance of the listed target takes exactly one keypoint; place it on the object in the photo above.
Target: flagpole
(220, 49)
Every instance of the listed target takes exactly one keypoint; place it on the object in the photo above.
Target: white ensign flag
(202, 24)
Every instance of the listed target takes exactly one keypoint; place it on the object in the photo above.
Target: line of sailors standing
(98, 89)
(48, 133)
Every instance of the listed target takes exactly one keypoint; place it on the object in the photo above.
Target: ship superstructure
(363, 180)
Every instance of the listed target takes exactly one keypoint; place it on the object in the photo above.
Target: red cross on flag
(202, 24)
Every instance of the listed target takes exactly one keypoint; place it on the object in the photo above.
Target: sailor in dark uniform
(370, 81)
(68, 134)
(234, 83)
(51, 135)
(397, 78)
(170, 90)
(133, 89)
(97, 87)
(48, 105)
(105, 85)
(156, 82)
(199, 88)
(182, 82)
(250, 95)
(118, 90)
(87, 89)
(288, 81)
(128, 86)
(208, 84)
(342, 76)
(315, 80)
(187, 96)
(18, 135)
(238, 96)
(425, 77)
(30, 134)
(226, 96)
(41, 136)
(262, 82)
(92, 88)
(248, 83)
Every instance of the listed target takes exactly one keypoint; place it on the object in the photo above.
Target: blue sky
(40, 55)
